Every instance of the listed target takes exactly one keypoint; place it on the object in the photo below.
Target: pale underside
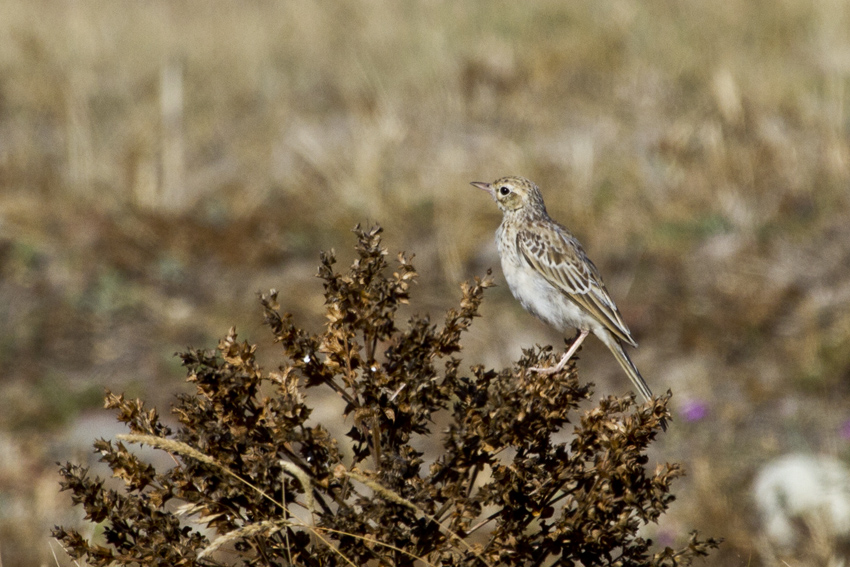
(553, 279)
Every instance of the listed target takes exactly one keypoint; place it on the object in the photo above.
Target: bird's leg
(563, 362)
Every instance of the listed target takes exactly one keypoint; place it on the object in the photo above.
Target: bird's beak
(483, 186)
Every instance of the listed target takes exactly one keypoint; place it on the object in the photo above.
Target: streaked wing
(559, 258)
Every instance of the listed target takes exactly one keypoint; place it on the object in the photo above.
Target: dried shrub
(256, 483)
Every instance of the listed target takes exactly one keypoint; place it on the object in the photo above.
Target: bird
(549, 273)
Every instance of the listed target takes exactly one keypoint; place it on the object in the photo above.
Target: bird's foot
(548, 370)
(564, 359)
(545, 370)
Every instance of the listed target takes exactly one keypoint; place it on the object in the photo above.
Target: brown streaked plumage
(549, 273)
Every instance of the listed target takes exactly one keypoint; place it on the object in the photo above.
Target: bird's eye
(504, 190)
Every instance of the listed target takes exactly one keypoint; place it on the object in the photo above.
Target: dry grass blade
(392, 496)
(262, 528)
(304, 479)
(172, 446)
(186, 450)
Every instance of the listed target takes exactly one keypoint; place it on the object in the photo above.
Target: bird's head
(513, 193)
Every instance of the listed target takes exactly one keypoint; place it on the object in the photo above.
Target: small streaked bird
(552, 277)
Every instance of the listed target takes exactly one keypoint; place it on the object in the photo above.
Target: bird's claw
(544, 370)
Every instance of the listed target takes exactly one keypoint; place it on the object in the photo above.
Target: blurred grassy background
(160, 162)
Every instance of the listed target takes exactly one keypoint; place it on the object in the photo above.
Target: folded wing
(559, 257)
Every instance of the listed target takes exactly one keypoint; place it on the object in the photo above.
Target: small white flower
(306, 359)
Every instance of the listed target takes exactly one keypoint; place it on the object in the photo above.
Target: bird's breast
(536, 294)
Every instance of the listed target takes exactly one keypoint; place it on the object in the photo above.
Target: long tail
(614, 345)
